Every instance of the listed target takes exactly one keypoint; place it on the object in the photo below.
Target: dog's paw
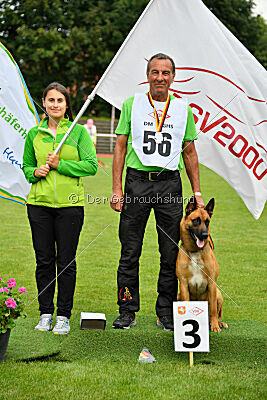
(223, 325)
(215, 327)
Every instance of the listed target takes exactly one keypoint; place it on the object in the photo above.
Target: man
(154, 129)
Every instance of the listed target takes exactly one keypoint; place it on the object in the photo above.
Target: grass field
(104, 364)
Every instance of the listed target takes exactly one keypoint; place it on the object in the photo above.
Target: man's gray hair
(161, 56)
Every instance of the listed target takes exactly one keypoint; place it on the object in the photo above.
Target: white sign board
(191, 326)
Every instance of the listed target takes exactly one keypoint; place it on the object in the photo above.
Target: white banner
(17, 116)
(224, 84)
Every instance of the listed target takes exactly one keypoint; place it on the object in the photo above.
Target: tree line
(74, 41)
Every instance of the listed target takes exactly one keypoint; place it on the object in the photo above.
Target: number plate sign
(191, 326)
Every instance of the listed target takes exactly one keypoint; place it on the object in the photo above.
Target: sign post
(191, 327)
(191, 359)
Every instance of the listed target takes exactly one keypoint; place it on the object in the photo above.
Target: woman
(55, 203)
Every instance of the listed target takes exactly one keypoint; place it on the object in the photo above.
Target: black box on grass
(93, 321)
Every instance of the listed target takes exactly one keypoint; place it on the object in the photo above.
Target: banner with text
(223, 83)
(17, 116)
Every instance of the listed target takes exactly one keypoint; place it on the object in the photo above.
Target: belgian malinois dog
(196, 267)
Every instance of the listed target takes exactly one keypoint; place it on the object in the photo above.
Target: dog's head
(197, 221)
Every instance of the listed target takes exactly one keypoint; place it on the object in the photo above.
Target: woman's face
(55, 104)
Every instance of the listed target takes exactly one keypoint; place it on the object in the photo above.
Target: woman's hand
(41, 172)
(52, 160)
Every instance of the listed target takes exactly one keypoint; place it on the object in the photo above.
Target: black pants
(141, 195)
(55, 236)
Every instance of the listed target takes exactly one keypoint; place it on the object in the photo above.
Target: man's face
(160, 78)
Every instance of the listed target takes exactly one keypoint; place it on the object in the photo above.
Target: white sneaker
(45, 323)
(62, 326)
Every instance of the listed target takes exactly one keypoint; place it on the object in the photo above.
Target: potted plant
(11, 307)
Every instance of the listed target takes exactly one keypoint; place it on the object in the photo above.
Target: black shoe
(165, 322)
(124, 321)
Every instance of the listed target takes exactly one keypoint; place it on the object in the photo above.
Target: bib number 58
(150, 146)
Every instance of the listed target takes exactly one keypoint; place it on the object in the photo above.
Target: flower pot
(4, 338)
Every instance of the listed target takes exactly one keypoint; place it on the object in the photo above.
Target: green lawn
(104, 364)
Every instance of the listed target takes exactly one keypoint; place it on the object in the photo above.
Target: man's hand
(41, 172)
(116, 201)
(52, 160)
(199, 201)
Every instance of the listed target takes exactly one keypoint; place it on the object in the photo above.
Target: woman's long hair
(60, 88)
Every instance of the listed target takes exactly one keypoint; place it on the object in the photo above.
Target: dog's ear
(210, 206)
(191, 206)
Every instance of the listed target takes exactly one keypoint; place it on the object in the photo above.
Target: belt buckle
(150, 176)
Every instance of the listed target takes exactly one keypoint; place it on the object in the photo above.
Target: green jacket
(62, 187)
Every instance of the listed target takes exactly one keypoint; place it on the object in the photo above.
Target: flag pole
(89, 99)
(91, 96)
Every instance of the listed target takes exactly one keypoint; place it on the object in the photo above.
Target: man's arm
(116, 201)
(191, 165)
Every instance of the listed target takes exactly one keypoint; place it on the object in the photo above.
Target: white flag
(17, 116)
(224, 84)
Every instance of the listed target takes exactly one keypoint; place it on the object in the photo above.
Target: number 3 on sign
(191, 326)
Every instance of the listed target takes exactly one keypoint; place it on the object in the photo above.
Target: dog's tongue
(200, 243)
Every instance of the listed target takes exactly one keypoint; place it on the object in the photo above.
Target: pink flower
(0, 278)
(11, 303)
(11, 282)
(22, 289)
(4, 289)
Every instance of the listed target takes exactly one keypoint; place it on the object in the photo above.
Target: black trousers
(55, 236)
(141, 195)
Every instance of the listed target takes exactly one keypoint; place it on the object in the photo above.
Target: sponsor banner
(222, 82)
(17, 116)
